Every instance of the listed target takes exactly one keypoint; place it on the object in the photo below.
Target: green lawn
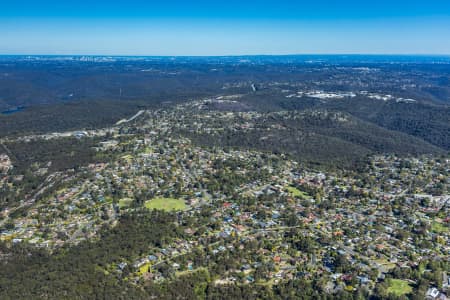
(384, 262)
(144, 268)
(125, 202)
(186, 272)
(399, 287)
(166, 204)
(297, 193)
(147, 150)
(127, 157)
(438, 227)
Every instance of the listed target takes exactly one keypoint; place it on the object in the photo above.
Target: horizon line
(233, 55)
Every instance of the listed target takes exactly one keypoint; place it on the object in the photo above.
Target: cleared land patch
(125, 202)
(167, 204)
(297, 193)
(399, 287)
(439, 227)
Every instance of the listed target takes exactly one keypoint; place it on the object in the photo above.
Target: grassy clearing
(144, 268)
(125, 202)
(385, 263)
(127, 157)
(297, 193)
(167, 204)
(439, 227)
(269, 283)
(148, 150)
(186, 272)
(399, 287)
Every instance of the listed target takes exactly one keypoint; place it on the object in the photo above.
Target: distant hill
(427, 121)
(65, 93)
(317, 137)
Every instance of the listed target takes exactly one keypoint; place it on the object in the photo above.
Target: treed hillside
(87, 271)
(318, 137)
(79, 272)
(427, 121)
(73, 116)
(74, 94)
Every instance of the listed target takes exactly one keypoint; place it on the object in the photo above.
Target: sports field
(167, 204)
(399, 287)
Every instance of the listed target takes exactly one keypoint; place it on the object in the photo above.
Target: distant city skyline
(232, 28)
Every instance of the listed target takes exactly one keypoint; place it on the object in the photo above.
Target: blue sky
(224, 27)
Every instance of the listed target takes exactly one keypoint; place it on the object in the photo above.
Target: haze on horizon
(177, 27)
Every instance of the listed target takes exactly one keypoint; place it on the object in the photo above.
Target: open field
(167, 204)
(297, 193)
(439, 227)
(399, 287)
(125, 202)
(385, 263)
